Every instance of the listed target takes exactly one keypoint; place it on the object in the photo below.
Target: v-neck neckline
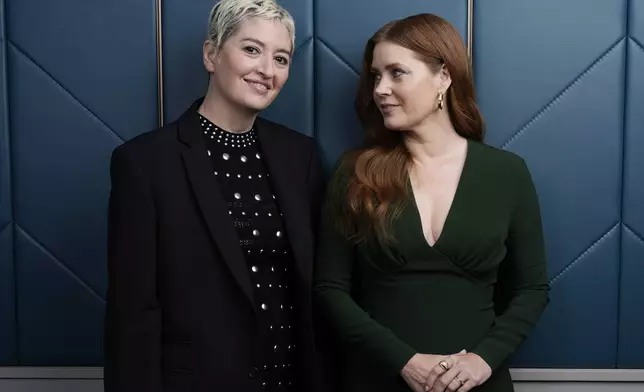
(454, 204)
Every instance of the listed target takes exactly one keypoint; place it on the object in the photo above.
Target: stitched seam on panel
(61, 264)
(306, 41)
(581, 256)
(337, 55)
(637, 43)
(558, 98)
(31, 60)
(638, 237)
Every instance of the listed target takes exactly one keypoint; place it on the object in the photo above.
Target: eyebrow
(260, 43)
(389, 66)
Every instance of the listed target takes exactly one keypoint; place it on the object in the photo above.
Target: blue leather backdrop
(560, 83)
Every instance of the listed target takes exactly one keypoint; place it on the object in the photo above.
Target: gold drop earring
(440, 101)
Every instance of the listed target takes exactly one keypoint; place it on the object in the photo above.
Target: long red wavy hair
(377, 173)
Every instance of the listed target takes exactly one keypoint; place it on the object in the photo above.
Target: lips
(387, 107)
(258, 86)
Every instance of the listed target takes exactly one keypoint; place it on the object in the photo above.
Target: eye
(251, 49)
(376, 77)
(395, 73)
(282, 60)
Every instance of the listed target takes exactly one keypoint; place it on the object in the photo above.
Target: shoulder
(151, 139)
(294, 138)
(147, 147)
(502, 164)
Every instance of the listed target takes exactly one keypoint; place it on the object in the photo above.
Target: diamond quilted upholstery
(7, 298)
(552, 90)
(559, 83)
(631, 321)
(78, 85)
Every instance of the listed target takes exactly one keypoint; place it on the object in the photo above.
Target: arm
(332, 288)
(316, 185)
(133, 317)
(523, 278)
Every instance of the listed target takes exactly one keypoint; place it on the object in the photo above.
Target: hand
(465, 371)
(418, 368)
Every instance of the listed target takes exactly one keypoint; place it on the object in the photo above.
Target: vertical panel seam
(159, 42)
(314, 64)
(9, 180)
(621, 204)
(470, 31)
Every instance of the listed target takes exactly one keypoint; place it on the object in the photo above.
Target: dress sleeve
(332, 290)
(522, 285)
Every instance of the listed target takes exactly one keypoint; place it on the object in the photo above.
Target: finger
(443, 381)
(455, 384)
(437, 371)
(469, 384)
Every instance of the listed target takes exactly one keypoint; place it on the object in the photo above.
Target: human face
(405, 89)
(252, 65)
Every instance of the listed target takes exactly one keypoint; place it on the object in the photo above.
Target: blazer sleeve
(332, 290)
(522, 290)
(133, 316)
(316, 184)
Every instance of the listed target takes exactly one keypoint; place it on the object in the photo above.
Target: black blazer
(180, 310)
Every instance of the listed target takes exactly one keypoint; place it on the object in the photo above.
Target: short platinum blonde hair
(227, 15)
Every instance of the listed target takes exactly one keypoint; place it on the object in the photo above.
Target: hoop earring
(440, 101)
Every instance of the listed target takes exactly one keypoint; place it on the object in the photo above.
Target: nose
(266, 67)
(381, 87)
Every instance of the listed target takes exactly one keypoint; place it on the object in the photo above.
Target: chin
(394, 125)
(257, 104)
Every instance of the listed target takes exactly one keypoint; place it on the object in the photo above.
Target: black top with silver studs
(245, 183)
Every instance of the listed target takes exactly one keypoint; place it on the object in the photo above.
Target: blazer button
(254, 372)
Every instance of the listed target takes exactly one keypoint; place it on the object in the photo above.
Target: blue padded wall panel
(77, 86)
(337, 125)
(579, 327)
(533, 50)
(102, 52)
(8, 353)
(556, 98)
(185, 78)
(61, 158)
(340, 40)
(574, 150)
(8, 347)
(58, 315)
(345, 26)
(631, 322)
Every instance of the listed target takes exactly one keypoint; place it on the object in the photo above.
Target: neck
(434, 139)
(229, 117)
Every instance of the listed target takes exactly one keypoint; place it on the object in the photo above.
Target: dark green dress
(481, 287)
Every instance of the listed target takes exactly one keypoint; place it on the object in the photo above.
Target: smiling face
(251, 67)
(405, 89)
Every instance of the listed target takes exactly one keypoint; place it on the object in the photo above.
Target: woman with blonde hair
(211, 229)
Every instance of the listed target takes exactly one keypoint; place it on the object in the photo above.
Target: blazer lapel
(210, 199)
(292, 201)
